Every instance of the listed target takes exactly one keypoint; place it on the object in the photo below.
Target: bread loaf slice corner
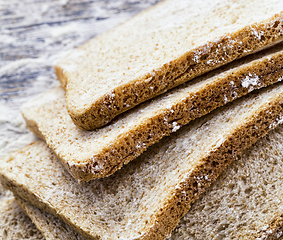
(88, 155)
(158, 49)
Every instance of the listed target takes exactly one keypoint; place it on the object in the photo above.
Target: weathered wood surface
(34, 34)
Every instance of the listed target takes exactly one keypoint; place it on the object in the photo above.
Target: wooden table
(34, 34)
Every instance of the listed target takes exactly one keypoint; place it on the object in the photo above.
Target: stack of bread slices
(167, 126)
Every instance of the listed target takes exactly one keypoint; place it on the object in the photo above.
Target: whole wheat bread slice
(14, 224)
(146, 198)
(100, 153)
(161, 48)
(51, 227)
(246, 201)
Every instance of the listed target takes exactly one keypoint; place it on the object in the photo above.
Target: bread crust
(214, 90)
(50, 227)
(210, 56)
(274, 231)
(14, 224)
(228, 151)
(189, 186)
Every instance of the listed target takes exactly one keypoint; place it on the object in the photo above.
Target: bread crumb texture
(148, 54)
(95, 154)
(14, 224)
(147, 197)
(246, 201)
(5, 194)
(51, 227)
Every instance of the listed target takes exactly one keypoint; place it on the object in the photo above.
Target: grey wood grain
(34, 34)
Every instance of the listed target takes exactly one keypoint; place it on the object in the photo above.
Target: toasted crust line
(155, 128)
(176, 205)
(243, 41)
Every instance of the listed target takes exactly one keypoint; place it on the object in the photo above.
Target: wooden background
(34, 34)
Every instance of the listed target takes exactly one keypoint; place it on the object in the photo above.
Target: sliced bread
(161, 48)
(246, 201)
(146, 198)
(51, 227)
(15, 224)
(88, 155)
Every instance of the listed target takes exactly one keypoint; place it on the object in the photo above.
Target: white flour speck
(250, 81)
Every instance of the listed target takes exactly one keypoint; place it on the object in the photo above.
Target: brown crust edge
(177, 205)
(21, 192)
(60, 73)
(36, 217)
(173, 208)
(274, 231)
(24, 206)
(243, 42)
(194, 106)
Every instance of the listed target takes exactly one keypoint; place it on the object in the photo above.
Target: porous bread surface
(14, 224)
(245, 201)
(145, 56)
(100, 153)
(51, 227)
(147, 197)
(243, 180)
(5, 194)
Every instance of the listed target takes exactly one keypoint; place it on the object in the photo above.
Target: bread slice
(27, 222)
(51, 227)
(146, 198)
(100, 153)
(161, 48)
(14, 224)
(246, 201)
